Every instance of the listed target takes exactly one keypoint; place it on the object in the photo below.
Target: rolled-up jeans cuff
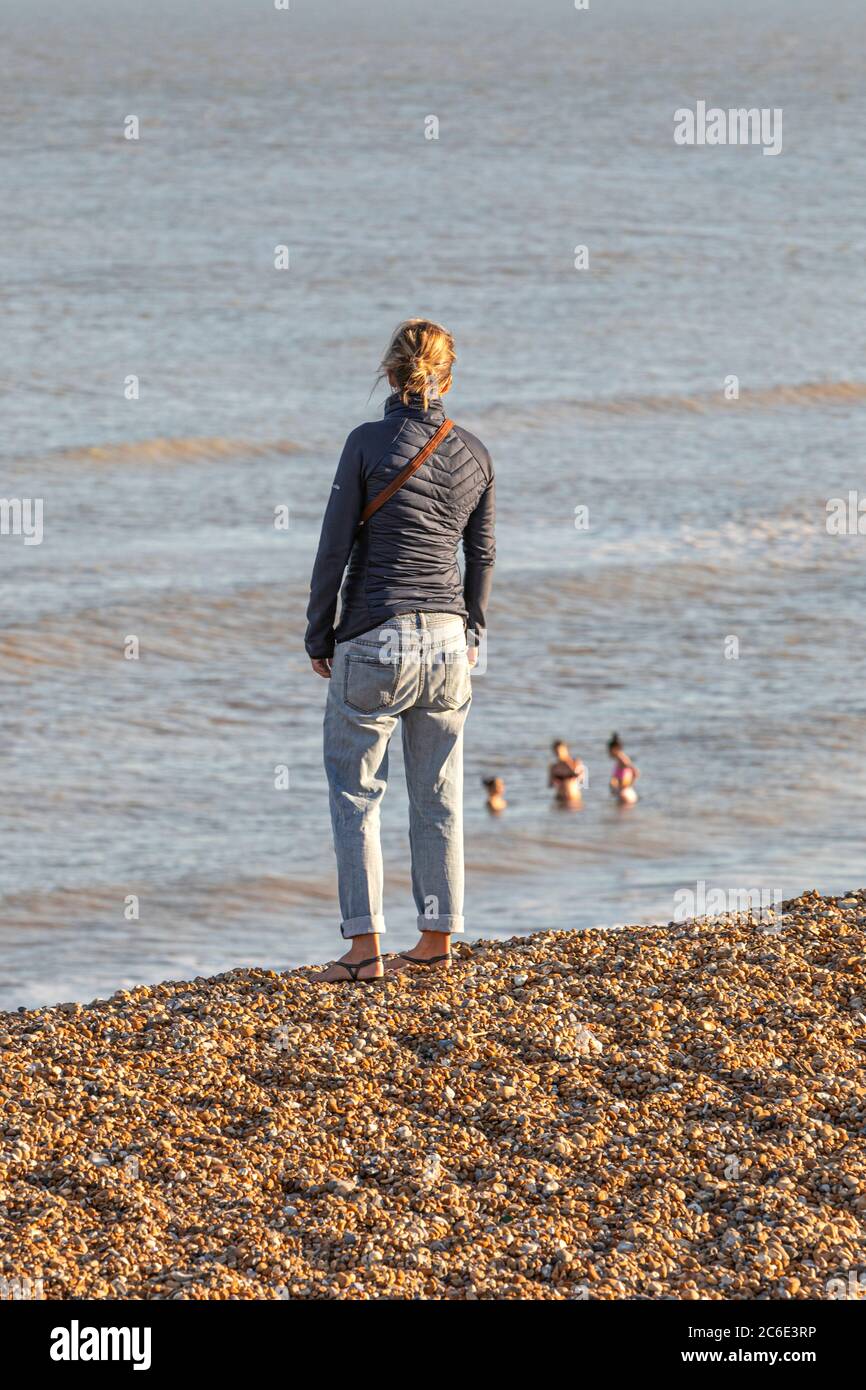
(443, 924)
(363, 926)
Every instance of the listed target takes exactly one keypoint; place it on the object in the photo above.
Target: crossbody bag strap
(406, 473)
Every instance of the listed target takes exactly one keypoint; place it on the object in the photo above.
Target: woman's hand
(322, 666)
(472, 655)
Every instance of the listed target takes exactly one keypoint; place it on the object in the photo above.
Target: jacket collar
(415, 409)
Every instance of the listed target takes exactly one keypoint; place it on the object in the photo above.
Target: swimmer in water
(624, 773)
(495, 794)
(566, 775)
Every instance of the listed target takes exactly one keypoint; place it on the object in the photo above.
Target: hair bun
(419, 358)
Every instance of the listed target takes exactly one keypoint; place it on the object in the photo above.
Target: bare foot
(351, 971)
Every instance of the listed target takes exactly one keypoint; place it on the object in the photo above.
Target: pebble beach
(654, 1112)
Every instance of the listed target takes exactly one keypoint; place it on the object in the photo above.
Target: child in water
(495, 794)
(624, 773)
(566, 775)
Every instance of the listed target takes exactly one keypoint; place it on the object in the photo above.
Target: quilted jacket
(405, 558)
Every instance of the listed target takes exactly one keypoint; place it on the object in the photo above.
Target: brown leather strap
(406, 473)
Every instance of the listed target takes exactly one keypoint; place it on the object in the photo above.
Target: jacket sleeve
(339, 527)
(479, 548)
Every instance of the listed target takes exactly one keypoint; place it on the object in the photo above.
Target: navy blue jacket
(405, 558)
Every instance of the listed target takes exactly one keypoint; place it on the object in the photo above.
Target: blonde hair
(419, 358)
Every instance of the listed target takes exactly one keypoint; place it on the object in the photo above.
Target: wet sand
(673, 1111)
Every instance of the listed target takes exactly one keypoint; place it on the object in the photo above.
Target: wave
(181, 625)
(807, 393)
(191, 899)
(171, 450)
(816, 393)
(203, 448)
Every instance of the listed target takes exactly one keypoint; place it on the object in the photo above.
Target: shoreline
(666, 1111)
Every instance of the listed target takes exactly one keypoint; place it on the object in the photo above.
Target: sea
(213, 215)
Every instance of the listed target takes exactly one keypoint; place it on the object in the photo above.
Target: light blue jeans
(413, 668)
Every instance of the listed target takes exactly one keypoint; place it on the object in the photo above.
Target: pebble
(665, 1112)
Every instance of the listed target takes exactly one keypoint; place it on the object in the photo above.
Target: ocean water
(598, 388)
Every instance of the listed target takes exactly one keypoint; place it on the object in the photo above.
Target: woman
(624, 773)
(407, 635)
(566, 775)
(495, 794)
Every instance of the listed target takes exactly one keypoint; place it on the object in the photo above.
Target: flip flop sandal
(353, 967)
(415, 960)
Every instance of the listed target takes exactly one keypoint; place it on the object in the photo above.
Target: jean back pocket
(458, 682)
(370, 682)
